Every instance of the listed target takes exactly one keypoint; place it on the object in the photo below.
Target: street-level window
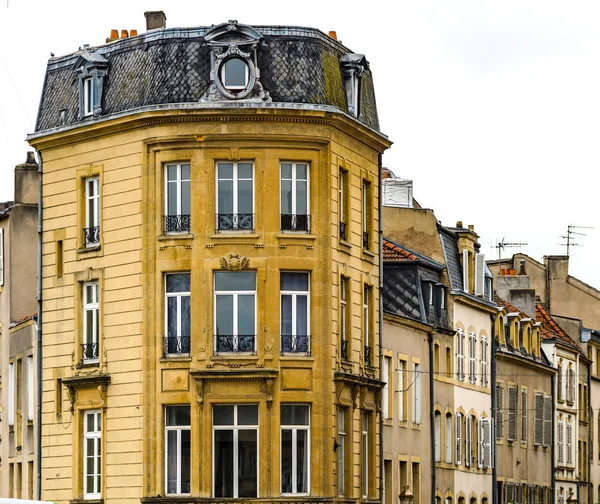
(235, 451)
(91, 319)
(294, 205)
(341, 451)
(235, 196)
(295, 312)
(295, 449)
(92, 454)
(177, 450)
(177, 314)
(177, 198)
(235, 311)
(92, 212)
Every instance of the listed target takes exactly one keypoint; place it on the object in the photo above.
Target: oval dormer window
(235, 75)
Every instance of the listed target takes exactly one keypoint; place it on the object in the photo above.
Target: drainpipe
(38, 486)
(432, 420)
(553, 482)
(590, 438)
(381, 480)
(494, 346)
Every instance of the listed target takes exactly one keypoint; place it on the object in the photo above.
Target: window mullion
(294, 207)
(235, 189)
(294, 461)
(235, 322)
(178, 329)
(178, 461)
(235, 459)
(178, 185)
(294, 315)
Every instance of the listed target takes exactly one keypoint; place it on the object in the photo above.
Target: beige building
(18, 395)
(210, 268)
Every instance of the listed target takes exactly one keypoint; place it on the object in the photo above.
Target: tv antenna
(501, 245)
(569, 236)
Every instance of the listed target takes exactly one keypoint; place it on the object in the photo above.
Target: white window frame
(179, 296)
(88, 96)
(295, 295)
(179, 429)
(401, 390)
(1, 256)
(30, 388)
(11, 394)
(458, 437)
(472, 357)
(341, 450)
(365, 454)
(343, 309)
(560, 441)
(294, 180)
(417, 395)
(179, 182)
(236, 190)
(484, 361)
(96, 435)
(92, 200)
(485, 449)
(468, 440)
(94, 307)
(465, 267)
(295, 429)
(569, 436)
(449, 440)
(366, 341)
(460, 353)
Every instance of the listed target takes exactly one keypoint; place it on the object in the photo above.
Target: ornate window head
(353, 66)
(234, 72)
(90, 68)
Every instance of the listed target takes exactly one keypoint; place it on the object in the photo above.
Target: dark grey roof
(450, 247)
(172, 66)
(401, 291)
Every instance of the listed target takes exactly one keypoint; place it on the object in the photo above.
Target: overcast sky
(493, 107)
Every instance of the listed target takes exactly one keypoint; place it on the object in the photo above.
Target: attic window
(353, 66)
(353, 94)
(235, 74)
(88, 97)
(90, 69)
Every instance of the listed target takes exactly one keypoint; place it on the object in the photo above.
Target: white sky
(493, 107)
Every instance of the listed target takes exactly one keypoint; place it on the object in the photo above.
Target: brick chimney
(155, 19)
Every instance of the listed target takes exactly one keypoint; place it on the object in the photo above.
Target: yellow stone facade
(133, 381)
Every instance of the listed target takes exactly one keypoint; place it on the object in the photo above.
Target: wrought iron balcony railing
(367, 355)
(366, 240)
(235, 222)
(295, 343)
(177, 223)
(342, 230)
(89, 352)
(91, 236)
(176, 345)
(295, 222)
(344, 350)
(235, 343)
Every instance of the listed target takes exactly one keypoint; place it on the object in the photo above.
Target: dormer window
(235, 74)
(90, 68)
(353, 66)
(88, 97)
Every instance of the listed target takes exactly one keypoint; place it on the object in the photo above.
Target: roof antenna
(569, 236)
(501, 245)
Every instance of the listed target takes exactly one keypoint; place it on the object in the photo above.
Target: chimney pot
(30, 158)
(114, 34)
(471, 227)
(124, 34)
(155, 19)
(133, 33)
(333, 35)
(522, 268)
(458, 223)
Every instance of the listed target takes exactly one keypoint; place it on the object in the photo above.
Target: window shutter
(11, 393)
(569, 443)
(512, 413)
(538, 420)
(479, 274)
(547, 420)
(484, 361)
(561, 456)
(524, 416)
(1, 256)
(499, 412)
(559, 380)
(465, 266)
(472, 357)
(468, 440)
(461, 353)
(458, 436)
(519, 498)
(573, 386)
(486, 445)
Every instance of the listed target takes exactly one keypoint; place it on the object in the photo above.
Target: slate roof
(172, 66)
(401, 292)
(450, 247)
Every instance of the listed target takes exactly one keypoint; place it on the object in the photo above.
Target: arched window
(437, 432)
(460, 354)
(449, 443)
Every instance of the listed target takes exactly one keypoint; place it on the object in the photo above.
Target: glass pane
(286, 196)
(171, 317)
(301, 198)
(90, 423)
(301, 461)
(301, 171)
(185, 172)
(248, 415)
(90, 484)
(225, 315)
(225, 200)
(245, 171)
(172, 172)
(172, 198)
(185, 318)
(294, 282)
(178, 415)
(89, 326)
(235, 281)
(246, 315)
(245, 196)
(185, 198)
(286, 314)
(223, 457)
(286, 170)
(294, 414)
(185, 461)
(179, 282)
(89, 294)
(302, 315)
(172, 461)
(286, 461)
(235, 73)
(91, 213)
(223, 415)
(247, 463)
(225, 171)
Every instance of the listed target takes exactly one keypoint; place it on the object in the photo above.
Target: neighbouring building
(211, 269)
(18, 279)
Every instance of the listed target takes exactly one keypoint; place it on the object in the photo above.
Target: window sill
(296, 357)
(95, 251)
(388, 421)
(85, 365)
(296, 236)
(415, 426)
(403, 423)
(235, 356)
(176, 358)
(344, 246)
(236, 235)
(175, 236)
(86, 501)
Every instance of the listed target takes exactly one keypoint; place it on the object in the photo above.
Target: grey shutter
(523, 416)
(465, 265)
(512, 413)
(479, 274)
(468, 440)
(561, 442)
(499, 412)
(569, 443)
(487, 442)
(479, 443)
(519, 498)
(538, 420)
(547, 420)
(458, 437)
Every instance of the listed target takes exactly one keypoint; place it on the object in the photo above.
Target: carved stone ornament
(355, 393)
(363, 396)
(234, 262)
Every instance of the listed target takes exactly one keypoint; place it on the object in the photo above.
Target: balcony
(91, 236)
(342, 230)
(89, 353)
(365, 240)
(367, 356)
(234, 222)
(233, 343)
(177, 224)
(295, 344)
(295, 222)
(344, 349)
(176, 345)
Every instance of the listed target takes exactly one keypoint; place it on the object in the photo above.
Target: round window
(235, 74)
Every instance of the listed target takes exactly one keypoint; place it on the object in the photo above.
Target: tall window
(92, 454)
(449, 443)
(92, 212)
(366, 324)
(484, 362)
(402, 393)
(341, 451)
(295, 449)
(235, 311)
(295, 313)
(513, 401)
(523, 415)
(458, 437)
(177, 310)
(177, 450)
(569, 442)
(417, 399)
(177, 198)
(484, 442)
(468, 440)
(499, 411)
(342, 181)
(559, 381)
(472, 367)
(460, 354)
(88, 97)
(295, 215)
(235, 196)
(561, 441)
(89, 347)
(386, 401)
(235, 451)
(437, 424)
(30, 388)
(343, 319)
(1, 256)
(11, 394)
(365, 454)
(365, 215)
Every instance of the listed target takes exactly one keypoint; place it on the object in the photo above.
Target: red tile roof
(392, 252)
(550, 329)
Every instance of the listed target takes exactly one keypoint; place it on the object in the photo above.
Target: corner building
(210, 268)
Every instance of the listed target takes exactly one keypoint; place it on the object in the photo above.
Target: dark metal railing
(365, 239)
(295, 343)
(367, 355)
(235, 222)
(91, 235)
(344, 350)
(295, 222)
(235, 343)
(89, 352)
(342, 230)
(177, 223)
(176, 345)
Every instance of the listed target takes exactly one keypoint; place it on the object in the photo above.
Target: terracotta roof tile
(550, 329)
(392, 252)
